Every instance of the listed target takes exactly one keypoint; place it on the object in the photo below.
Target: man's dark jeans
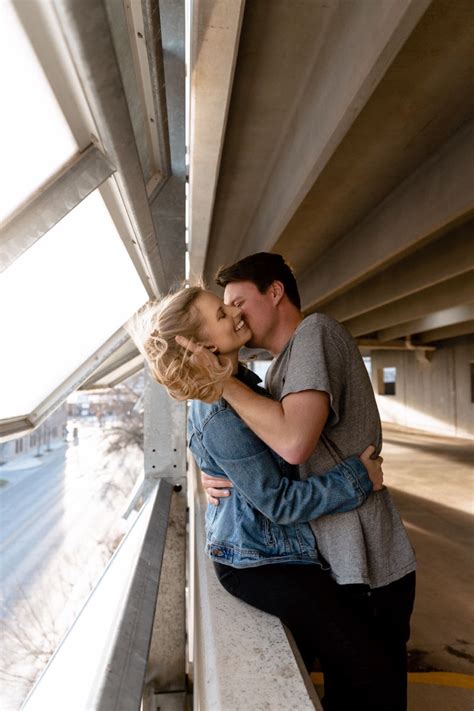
(358, 634)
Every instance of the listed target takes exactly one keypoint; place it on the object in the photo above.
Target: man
(323, 410)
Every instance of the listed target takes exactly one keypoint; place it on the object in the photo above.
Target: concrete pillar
(165, 457)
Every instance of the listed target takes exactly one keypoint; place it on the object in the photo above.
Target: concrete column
(165, 457)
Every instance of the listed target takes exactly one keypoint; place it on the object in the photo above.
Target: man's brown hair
(262, 269)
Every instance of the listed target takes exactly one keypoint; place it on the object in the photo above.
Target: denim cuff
(361, 474)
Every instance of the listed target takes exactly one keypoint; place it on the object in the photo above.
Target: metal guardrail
(243, 658)
(101, 663)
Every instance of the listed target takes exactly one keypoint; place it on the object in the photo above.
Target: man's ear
(277, 291)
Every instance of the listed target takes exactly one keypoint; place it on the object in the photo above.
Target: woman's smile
(222, 325)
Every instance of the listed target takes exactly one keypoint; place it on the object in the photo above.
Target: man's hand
(373, 466)
(216, 487)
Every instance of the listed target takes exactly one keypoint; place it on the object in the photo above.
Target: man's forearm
(282, 428)
(264, 416)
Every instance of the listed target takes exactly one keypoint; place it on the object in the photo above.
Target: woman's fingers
(186, 343)
(373, 466)
(368, 452)
(213, 495)
(216, 488)
(215, 482)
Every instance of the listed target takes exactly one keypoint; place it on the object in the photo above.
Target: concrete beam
(442, 259)
(434, 198)
(172, 21)
(216, 26)
(440, 319)
(453, 292)
(336, 91)
(440, 334)
(168, 212)
(372, 344)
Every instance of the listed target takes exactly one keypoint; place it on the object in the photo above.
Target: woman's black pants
(358, 634)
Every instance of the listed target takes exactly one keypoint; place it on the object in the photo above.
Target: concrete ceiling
(348, 147)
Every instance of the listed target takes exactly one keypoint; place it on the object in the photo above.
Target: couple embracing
(304, 528)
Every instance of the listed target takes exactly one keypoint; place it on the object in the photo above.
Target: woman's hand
(216, 487)
(373, 466)
(201, 354)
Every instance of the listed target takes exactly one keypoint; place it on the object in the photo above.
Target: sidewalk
(24, 465)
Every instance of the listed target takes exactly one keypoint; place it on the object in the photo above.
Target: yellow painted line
(459, 681)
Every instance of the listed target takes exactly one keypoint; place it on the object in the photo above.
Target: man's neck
(290, 319)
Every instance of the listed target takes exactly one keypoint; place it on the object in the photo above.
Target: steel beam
(86, 173)
(453, 292)
(431, 201)
(86, 28)
(72, 383)
(125, 675)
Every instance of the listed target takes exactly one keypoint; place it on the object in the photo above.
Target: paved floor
(432, 482)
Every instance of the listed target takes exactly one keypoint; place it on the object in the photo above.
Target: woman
(263, 548)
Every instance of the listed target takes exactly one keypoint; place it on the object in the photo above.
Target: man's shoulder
(319, 324)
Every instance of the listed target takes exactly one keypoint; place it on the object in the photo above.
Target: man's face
(257, 309)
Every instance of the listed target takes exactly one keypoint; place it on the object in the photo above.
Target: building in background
(49, 435)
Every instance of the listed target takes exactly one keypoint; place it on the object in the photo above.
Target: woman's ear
(212, 348)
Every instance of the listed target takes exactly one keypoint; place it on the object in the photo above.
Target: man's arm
(253, 470)
(291, 427)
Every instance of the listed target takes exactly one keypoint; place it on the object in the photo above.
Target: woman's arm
(217, 488)
(254, 472)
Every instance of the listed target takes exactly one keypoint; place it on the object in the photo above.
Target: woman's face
(222, 326)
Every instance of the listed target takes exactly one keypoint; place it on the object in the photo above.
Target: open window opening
(387, 381)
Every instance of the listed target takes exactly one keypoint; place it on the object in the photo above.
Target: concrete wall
(434, 396)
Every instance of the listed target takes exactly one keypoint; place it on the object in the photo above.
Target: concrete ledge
(243, 658)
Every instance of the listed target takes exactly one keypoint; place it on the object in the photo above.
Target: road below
(59, 522)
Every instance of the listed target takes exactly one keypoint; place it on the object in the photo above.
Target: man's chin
(251, 345)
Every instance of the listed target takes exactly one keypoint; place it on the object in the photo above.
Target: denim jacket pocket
(268, 535)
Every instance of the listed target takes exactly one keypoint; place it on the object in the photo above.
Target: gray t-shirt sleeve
(317, 361)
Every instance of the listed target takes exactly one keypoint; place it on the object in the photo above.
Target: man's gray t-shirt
(368, 545)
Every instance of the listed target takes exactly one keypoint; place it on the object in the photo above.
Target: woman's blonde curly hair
(154, 328)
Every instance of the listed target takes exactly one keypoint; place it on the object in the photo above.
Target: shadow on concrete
(456, 450)
(443, 631)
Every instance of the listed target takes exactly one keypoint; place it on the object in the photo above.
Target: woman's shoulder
(201, 412)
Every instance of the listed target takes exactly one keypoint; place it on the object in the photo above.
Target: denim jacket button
(217, 551)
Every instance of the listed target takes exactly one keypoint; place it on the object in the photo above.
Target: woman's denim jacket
(264, 520)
